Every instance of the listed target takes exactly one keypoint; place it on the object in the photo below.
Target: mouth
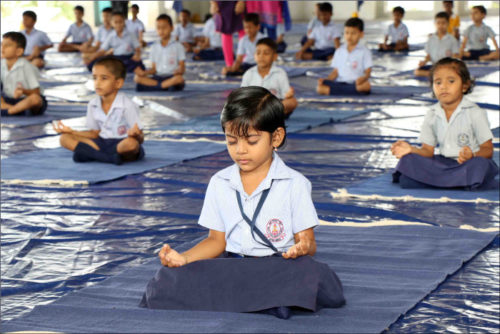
(243, 161)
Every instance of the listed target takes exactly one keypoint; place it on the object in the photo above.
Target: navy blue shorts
(322, 54)
(281, 47)
(243, 68)
(158, 88)
(210, 54)
(109, 146)
(28, 112)
(342, 88)
(475, 54)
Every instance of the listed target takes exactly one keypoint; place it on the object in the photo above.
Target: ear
(466, 86)
(362, 34)
(277, 137)
(275, 56)
(19, 52)
(119, 83)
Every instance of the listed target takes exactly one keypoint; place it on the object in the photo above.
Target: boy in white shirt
(185, 31)
(209, 46)
(397, 32)
(102, 34)
(36, 41)
(80, 32)
(476, 36)
(135, 25)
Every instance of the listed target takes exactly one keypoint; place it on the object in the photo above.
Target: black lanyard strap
(252, 222)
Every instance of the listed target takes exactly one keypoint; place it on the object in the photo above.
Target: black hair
(17, 38)
(442, 15)
(253, 18)
(481, 9)
(107, 10)
(253, 107)
(269, 42)
(399, 10)
(135, 6)
(118, 13)
(448, 2)
(30, 13)
(459, 67)
(355, 23)
(114, 65)
(186, 11)
(166, 18)
(79, 8)
(326, 7)
(207, 17)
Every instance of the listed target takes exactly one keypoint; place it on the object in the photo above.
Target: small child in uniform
(21, 91)
(461, 130)
(397, 32)
(36, 41)
(167, 59)
(454, 20)
(476, 36)
(114, 134)
(135, 25)
(209, 46)
(313, 23)
(280, 38)
(325, 37)
(185, 31)
(269, 76)
(351, 64)
(440, 45)
(103, 32)
(80, 32)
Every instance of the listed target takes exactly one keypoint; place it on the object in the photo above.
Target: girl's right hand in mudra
(171, 258)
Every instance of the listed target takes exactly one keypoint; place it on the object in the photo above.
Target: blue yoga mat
(57, 164)
(385, 272)
(53, 112)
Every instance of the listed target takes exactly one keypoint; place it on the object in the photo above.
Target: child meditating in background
(462, 131)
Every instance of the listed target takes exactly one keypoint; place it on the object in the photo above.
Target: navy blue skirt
(245, 285)
(416, 171)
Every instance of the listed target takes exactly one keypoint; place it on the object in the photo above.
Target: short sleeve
(31, 75)
(175, 33)
(153, 53)
(210, 214)
(89, 32)
(336, 60)
(490, 32)
(467, 32)
(181, 53)
(132, 115)
(481, 126)
(455, 46)
(367, 60)
(143, 28)
(69, 32)
(246, 79)
(284, 84)
(107, 42)
(45, 40)
(206, 29)
(406, 32)
(427, 135)
(90, 120)
(428, 46)
(337, 33)
(310, 25)
(304, 214)
(314, 33)
(241, 50)
(134, 41)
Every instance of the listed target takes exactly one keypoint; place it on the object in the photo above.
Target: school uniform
(283, 206)
(215, 50)
(396, 34)
(185, 34)
(468, 126)
(103, 33)
(350, 66)
(313, 23)
(166, 59)
(135, 27)
(276, 81)
(246, 48)
(79, 34)
(324, 40)
(35, 38)
(477, 40)
(438, 48)
(280, 30)
(22, 73)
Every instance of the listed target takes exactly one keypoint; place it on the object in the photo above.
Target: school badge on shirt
(463, 139)
(275, 231)
(354, 65)
(122, 129)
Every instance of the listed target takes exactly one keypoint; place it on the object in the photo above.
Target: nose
(241, 147)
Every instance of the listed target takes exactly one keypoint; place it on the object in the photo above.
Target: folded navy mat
(385, 272)
(57, 164)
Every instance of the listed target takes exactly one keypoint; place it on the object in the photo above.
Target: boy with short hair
(167, 60)
(185, 31)
(440, 45)
(246, 46)
(135, 25)
(21, 91)
(209, 46)
(397, 32)
(269, 76)
(351, 64)
(114, 134)
(122, 44)
(453, 21)
(36, 41)
(102, 33)
(325, 37)
(80, 32)
(476, 36)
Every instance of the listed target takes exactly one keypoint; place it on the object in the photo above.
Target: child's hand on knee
(59, 127)
(465, 154)
(421, 63)
(400, 148)
(134, 131)
(18, 92)
(171, 258)
(299, 249)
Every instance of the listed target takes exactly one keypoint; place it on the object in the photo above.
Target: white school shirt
(122, 116)
(313, 23)
(135, 26)
(468, 126)
(35, 38)
(185, 34)
(324, 36)
(397, 34)
(351, 65)
(287, 210)
(213, 35)
(80, 34)
(477, 37)
(22, 72)
(441, 48)
(276, 81)
(103, 33)
(247, 47)
(121, 46)
(166, 58)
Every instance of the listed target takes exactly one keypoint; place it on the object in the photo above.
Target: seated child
(135, 25)
(476, 36)
(398, 33)
(114, 134)
(21, 91)
(103, 32)
(36, 41)
(325, 37)
(269, 76)
(454, 20)
(313, 23)
(209, 46)
(122, 44)
(440, 45)
(461, 130)
(258, 207)
(280, 40)
(167, 61)
(351, 64)
(80, 32)
(246, 46)
(185, 31)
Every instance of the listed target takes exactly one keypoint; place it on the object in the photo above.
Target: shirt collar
(117, 103)
(464, 104)
(30, 33)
